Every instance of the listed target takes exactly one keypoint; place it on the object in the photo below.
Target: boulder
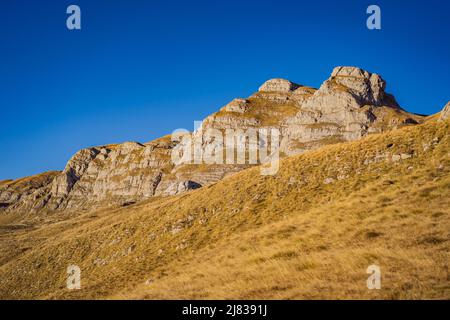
(179, 187)
(278, 85)
(237, 105)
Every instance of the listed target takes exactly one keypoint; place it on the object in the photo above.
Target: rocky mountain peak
(351, 88)
(278, 85)
(368, 86)
(350, 104)
(346, 71)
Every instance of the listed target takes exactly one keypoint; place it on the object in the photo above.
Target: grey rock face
(179, 187)
(350, 87)
(73, 171)
(278, 85)
(237, 105)
(367, 88)
(445, 113)
(349, 105)
(122, 172)
(26, 194)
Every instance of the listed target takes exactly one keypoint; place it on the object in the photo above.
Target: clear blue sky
(139, 69)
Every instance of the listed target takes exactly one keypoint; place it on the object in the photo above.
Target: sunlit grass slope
(310, 231)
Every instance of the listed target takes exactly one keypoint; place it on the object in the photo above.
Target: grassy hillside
(308, 232)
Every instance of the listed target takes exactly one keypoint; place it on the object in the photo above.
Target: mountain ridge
(349, 105)
(310, 231)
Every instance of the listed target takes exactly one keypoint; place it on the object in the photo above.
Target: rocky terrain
(349, 105)
(308, 232)
(445, 114)
(361, 182)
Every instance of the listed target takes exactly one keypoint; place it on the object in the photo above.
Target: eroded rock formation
(349, 105)
(445, 113)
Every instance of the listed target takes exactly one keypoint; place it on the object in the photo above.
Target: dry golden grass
(23, 184)
(265, 112)
(290, 236)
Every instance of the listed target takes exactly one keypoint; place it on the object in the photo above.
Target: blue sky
(139, 69)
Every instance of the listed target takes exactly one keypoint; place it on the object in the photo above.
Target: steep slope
(349, 105)
(310, 231)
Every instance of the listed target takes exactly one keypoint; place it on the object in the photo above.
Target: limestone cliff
(445, 113)
(349, 105)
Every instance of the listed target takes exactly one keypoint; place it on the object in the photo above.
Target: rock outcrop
(62, 185)
(445, 113)
(350, 88)
(27, 194)
(237, 105)
(349, 105)
(278, 85)
(179, 187)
